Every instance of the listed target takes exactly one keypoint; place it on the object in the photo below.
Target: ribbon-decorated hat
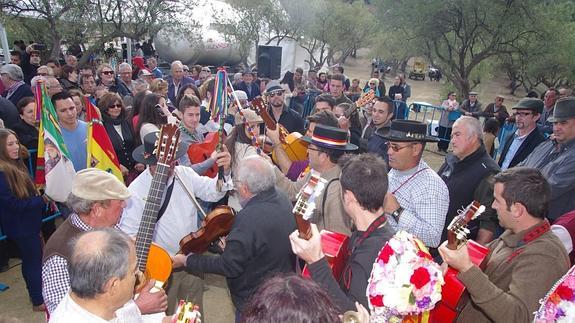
(330, 138)
(408, 130)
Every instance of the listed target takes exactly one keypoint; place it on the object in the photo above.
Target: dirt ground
(217, 304)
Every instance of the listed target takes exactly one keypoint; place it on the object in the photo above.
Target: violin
(216, 224)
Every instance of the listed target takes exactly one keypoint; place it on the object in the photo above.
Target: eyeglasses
(395, 147)
(118, 105)
(522, 114)
(108, 72)
(276, 93)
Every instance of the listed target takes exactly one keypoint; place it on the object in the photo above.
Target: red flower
(376, 301)
(420, 277)
(385, 253)
(564, 292)
(424, 255)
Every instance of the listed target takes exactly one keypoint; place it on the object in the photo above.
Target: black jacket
(258, 246)
(527, 146)
(361, 263)
(468, 180)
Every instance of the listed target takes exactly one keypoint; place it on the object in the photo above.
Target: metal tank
(206, 46)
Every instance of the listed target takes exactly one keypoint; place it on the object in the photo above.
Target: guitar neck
(349, 112)
(303, 225)
(150, 215)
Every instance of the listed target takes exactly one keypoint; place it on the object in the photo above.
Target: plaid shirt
(55, 278)
(425, 200)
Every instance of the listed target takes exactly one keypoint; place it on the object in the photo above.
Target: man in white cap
(97, 200)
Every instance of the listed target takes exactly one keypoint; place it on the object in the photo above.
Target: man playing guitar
(525, 260)
(363, 184)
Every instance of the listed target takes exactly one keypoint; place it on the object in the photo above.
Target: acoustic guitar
(334, 245)
(453, 294)
(153, 261)
(200, 152)
(365, 98)
(292, 144)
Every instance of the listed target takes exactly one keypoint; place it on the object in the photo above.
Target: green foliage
(461, 37)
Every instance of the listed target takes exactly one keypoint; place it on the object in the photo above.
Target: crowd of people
(371, 157)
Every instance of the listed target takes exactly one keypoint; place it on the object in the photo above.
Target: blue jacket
(19, 217)
(172, 94)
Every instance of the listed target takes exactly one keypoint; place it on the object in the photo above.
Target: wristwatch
(397, 213)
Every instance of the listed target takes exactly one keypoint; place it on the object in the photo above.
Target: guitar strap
(166, 200)
(347, 273)
(325, 198)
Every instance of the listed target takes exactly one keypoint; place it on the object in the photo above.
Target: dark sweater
(19, 217)
(257, 247)
(360, 261)
(468, 180)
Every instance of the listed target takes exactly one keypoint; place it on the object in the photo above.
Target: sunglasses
(395, 147)
(119, 106)
(276, 93)
(523, 114)
(108, 72)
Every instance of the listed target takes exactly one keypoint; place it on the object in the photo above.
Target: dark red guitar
(453, 293)
(333, 245)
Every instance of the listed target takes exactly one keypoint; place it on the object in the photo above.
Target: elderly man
(496, 110)
(551, 96)
(468, 172)
(280, 112)
(177, 80)
(97, 200)
(518, 146)
(247, 85)
(471, 106)
(53, 86)
(258, 244)
(524, 262)
(125, 71)
(417, 199)
(88, 84)
(13, 79)
(556, 159)
(103, 271)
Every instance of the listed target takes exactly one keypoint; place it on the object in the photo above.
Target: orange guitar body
(159, 264)
(334, 246)
(295, 148)
(202, 151)
(453, 294)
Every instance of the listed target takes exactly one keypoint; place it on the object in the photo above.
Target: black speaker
(269, 62)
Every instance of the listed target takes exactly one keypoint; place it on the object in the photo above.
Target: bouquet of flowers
(405, 281)
(559, 304)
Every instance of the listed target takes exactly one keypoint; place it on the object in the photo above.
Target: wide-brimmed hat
(532, 104)
(273, 86)
(94, 184)
(330, 138)
(564, 110)
(408, 130)
(145, 153)
(249, 115)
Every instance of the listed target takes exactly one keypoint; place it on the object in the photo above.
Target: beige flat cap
(94, 184)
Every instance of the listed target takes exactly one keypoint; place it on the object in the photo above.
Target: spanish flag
(101, 153)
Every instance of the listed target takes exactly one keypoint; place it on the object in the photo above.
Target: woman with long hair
(21, 213)
(239, 145)
(121, 134)
(152, 115)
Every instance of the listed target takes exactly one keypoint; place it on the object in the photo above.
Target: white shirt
(180, 217)
(69, 311)
(425, 200)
